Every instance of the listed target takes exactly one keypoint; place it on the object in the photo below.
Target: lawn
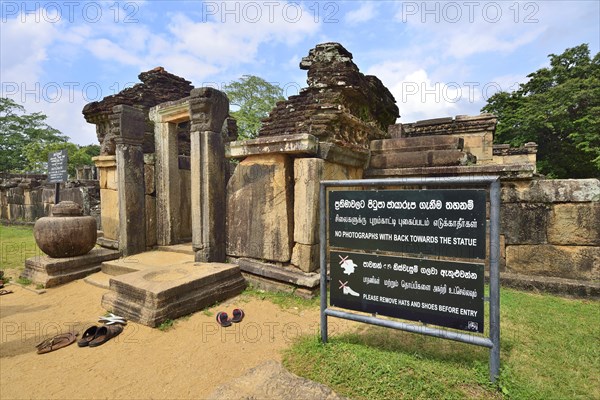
(16, 245)
(550, 349)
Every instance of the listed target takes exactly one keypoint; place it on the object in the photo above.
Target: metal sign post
(401, 221)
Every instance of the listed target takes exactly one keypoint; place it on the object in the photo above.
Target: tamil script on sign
(436, 222)
(444, 293)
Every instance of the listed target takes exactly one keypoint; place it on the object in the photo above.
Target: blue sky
(438, 58)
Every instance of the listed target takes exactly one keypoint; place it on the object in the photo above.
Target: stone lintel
(105, 161)
(282, 274)
(171, 112)
(514, 171)
(288, 144)
(343, 155)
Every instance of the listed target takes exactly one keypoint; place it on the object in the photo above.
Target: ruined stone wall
(24, 197)
(551, 228)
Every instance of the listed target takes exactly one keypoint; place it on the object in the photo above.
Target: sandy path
(186, 362)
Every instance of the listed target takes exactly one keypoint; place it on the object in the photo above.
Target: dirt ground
(186, 362)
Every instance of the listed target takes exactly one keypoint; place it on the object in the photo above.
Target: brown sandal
(56, 342)
(105, 333)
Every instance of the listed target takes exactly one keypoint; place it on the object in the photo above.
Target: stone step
(430, 158)
(419, 143)
(142, 261)
(157, 294)
(183, 248)
(99, 279)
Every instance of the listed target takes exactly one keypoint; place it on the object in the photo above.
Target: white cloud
(364, 13)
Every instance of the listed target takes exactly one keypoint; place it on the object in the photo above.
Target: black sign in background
(436, 231)
(356, 286)
(57, 166)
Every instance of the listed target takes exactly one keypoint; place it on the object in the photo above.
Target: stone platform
(156, 294)
(51, 272)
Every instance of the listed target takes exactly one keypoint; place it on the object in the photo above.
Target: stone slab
(109, 205)
(418, 143)
(544, 284)
(551, 191)
(286, 144)
(152, 296)
(146, 260)
(575, 224)
(51, 272)
(260, 208)
(270, 285)
(281, 274)
(271, 381)
(514, 171)
(524, 223)
(427, 158)
(343, 155)
(571, 262)
(306, 256)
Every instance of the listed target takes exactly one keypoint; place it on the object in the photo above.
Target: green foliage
(255, 98)
(37, 155)
(18, 130)
(559, 108)
(26, 140)
(16, 245)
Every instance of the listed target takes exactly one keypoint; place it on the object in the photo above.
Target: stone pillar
(208, 110)
(167, 177)
(130, 178)
(109, 205)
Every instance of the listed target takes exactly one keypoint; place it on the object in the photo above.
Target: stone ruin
(166, 185)
(340, 105)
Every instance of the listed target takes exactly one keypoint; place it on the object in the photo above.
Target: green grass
(166, 325)
(282, 299)
(550, 349)
(16, 245)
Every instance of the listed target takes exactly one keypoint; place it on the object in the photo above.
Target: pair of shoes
(98, 335)
(5, 291)
(224, 320)
(112, 319)
(56, 342)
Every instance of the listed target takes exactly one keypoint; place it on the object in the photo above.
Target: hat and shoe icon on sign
(347, 265)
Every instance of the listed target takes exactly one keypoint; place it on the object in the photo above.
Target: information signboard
(57, 166)
(446, 223)
(431, 291)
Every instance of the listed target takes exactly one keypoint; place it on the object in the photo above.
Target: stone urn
(67, 233)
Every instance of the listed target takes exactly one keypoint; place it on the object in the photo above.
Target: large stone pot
(67, 233)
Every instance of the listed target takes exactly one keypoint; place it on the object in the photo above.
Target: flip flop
(223, 319)
(111, 321)
(5, 291)
(88, 336)
(104, 334)
(56, 342)
(238, 315)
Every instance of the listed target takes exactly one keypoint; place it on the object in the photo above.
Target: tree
(78, 156)
(19, 130)
(255, 98)
(559, 108)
